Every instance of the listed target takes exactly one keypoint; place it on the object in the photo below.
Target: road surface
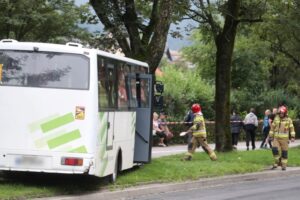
(279, 188)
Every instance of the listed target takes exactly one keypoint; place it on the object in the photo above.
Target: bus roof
(9, 44)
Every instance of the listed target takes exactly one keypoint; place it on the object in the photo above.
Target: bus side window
(122, 93)
(106, 84)
(102, 95)
(144, 93)
(111, 83)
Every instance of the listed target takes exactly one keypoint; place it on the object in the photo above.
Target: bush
(245, 99)
(183, 88)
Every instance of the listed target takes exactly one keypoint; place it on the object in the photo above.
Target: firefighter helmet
(283, 110)
(196, 108)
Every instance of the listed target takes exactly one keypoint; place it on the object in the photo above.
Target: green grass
(165, 169)
(171, 169)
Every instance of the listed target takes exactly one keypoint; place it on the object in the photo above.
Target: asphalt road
(265, 185)
(279, 188)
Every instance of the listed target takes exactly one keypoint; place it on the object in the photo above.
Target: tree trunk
(146, 44)
(225, 45)
(157, 45)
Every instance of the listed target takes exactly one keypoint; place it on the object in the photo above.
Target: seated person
(164, 127)
(157, 131)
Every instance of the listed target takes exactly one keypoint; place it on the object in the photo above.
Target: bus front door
(140, 92)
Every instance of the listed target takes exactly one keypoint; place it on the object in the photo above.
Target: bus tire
(114, 175)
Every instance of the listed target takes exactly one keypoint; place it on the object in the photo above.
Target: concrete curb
(146, 190)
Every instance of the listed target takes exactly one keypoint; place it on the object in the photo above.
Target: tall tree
(221, 20)
(140, 27)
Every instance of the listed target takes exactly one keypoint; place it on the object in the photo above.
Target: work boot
(187, 158)
(213, 156)
(273, 167)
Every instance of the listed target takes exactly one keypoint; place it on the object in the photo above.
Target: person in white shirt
(251, 124)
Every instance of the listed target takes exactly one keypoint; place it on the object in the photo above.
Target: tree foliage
(282, 31)
(43, 20)
(140, 27)
(183, 87)
(219, 20)
(262, 76)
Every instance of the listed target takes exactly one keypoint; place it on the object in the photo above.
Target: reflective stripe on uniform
(281, 135)
(200, 133)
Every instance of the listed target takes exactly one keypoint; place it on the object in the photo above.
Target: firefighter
(199, 135)
(282, 129)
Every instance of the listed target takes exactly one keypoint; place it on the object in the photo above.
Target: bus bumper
(54, 162)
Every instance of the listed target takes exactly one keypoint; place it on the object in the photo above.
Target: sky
(172, 43)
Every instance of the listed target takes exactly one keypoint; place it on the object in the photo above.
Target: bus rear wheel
(114, 175)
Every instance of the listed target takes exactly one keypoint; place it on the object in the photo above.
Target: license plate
(31, 162)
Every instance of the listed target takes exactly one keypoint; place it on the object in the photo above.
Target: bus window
(111, 83)
(144, 70)
(102, 95)
(44, 69)
(144, 90)
(132, 95)
(106, 84)
(127, 68)
(122, 93)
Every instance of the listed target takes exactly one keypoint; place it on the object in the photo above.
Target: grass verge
(165, 169)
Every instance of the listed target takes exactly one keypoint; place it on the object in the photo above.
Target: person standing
(251, 124)
(282, 129)
(266, 129)
(199, 135)
(236, 124)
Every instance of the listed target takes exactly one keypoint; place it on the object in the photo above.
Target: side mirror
(159, 87)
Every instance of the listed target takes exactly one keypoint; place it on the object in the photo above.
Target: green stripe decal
(57, 122)
(101, 114)
(68, 137)
(80, 149)
(36, 125)
(42, 142)
(103, 131)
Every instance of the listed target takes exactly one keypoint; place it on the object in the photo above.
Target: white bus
(68, 109)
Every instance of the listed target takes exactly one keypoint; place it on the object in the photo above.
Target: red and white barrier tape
(206, 122)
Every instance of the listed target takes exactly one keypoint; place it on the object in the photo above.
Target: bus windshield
(44, 69)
